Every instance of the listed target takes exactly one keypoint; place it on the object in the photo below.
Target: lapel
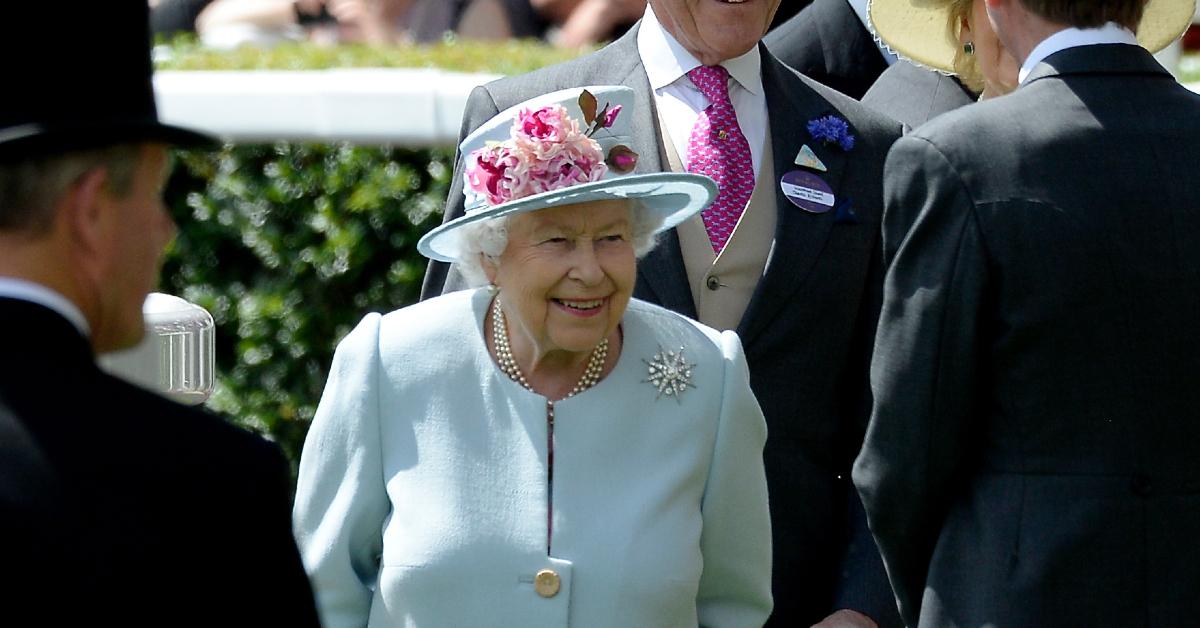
(661, 270)
(799, 235)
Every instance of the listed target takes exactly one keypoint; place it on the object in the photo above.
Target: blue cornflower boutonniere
(831, 129)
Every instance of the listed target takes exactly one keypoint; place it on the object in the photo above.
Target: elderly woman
(545, 451)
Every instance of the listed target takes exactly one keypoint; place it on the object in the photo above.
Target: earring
(493, 289)
(969, 48)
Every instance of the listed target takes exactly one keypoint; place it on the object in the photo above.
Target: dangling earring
(969, 48)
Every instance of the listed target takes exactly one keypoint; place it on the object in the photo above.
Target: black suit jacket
(120, 507)
(1034, 454)
(807, 331)
(826, 42)
(914, 95)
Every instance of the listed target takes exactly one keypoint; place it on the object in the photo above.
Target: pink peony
(546, 152)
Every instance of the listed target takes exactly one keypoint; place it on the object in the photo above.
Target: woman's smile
(583, 308)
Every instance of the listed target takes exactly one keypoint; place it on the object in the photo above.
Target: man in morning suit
(828, 41)
(800, 285)
(117, 506)
(1033, 458)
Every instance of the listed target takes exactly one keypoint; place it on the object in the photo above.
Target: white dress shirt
(680, 102)
(14, 288)
(1110, 33)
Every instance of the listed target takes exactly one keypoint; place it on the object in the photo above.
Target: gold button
(546, 583)
(723, 134)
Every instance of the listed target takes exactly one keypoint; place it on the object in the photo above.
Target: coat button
(712, 282)
(546, 583)
(1141, 485)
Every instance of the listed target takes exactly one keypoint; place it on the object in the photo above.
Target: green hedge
(289, 245)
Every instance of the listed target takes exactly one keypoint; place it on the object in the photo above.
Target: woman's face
(999, 69)
(566, 276)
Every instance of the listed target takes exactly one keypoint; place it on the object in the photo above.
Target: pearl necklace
(591, 374)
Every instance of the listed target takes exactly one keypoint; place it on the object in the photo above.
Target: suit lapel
(799, 235)
(661, 271)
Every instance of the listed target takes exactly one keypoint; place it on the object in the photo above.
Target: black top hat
(78, 76)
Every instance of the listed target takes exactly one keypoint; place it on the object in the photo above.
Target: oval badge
(807, 191)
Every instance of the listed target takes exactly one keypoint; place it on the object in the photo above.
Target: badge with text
(807, 191)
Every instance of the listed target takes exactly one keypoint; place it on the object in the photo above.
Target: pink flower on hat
(547, 151)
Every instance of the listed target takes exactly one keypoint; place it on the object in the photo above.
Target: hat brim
(35, 139)
(919, 30)
(670, 198)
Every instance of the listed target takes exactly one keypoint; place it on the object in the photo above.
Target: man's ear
(85, 213)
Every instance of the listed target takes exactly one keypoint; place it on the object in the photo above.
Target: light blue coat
(422, 497)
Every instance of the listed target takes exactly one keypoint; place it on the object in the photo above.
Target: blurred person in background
(172, 17)
(117, 505)
(563, 23)
(229, 23)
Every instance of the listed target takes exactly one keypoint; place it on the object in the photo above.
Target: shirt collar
(14, 288)
(666, 61)
(1110, 33)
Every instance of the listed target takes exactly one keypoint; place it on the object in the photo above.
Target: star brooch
(669, 373)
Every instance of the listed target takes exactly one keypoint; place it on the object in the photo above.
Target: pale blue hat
(668, 197)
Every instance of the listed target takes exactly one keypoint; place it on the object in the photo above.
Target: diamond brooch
(669, 373)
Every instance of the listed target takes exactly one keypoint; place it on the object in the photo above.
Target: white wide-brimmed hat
(920, 30)
(563, 148)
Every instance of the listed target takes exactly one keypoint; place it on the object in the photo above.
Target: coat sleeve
(341, 501)
(441, 277)
(735, 586)
(926, 362)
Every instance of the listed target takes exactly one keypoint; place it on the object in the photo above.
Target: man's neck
(1019, 29)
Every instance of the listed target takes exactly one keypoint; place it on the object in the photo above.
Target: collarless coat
(808, 328)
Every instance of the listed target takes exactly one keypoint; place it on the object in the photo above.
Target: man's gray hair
(29, 189)
(489, 238)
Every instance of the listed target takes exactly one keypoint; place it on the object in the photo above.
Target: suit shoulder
(578, 72)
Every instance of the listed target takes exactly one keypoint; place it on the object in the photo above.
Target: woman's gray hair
(489, 238)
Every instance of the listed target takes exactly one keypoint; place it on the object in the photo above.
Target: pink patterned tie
(718, 149)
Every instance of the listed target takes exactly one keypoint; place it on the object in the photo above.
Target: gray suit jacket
(1034, 454)
(826, 42)
(808, 328)
(914, 95)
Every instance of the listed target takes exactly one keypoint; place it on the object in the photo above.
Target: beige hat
(919, 30)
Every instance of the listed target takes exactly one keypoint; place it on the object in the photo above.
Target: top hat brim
(919, 30)
(669, 197)
(37, 138)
